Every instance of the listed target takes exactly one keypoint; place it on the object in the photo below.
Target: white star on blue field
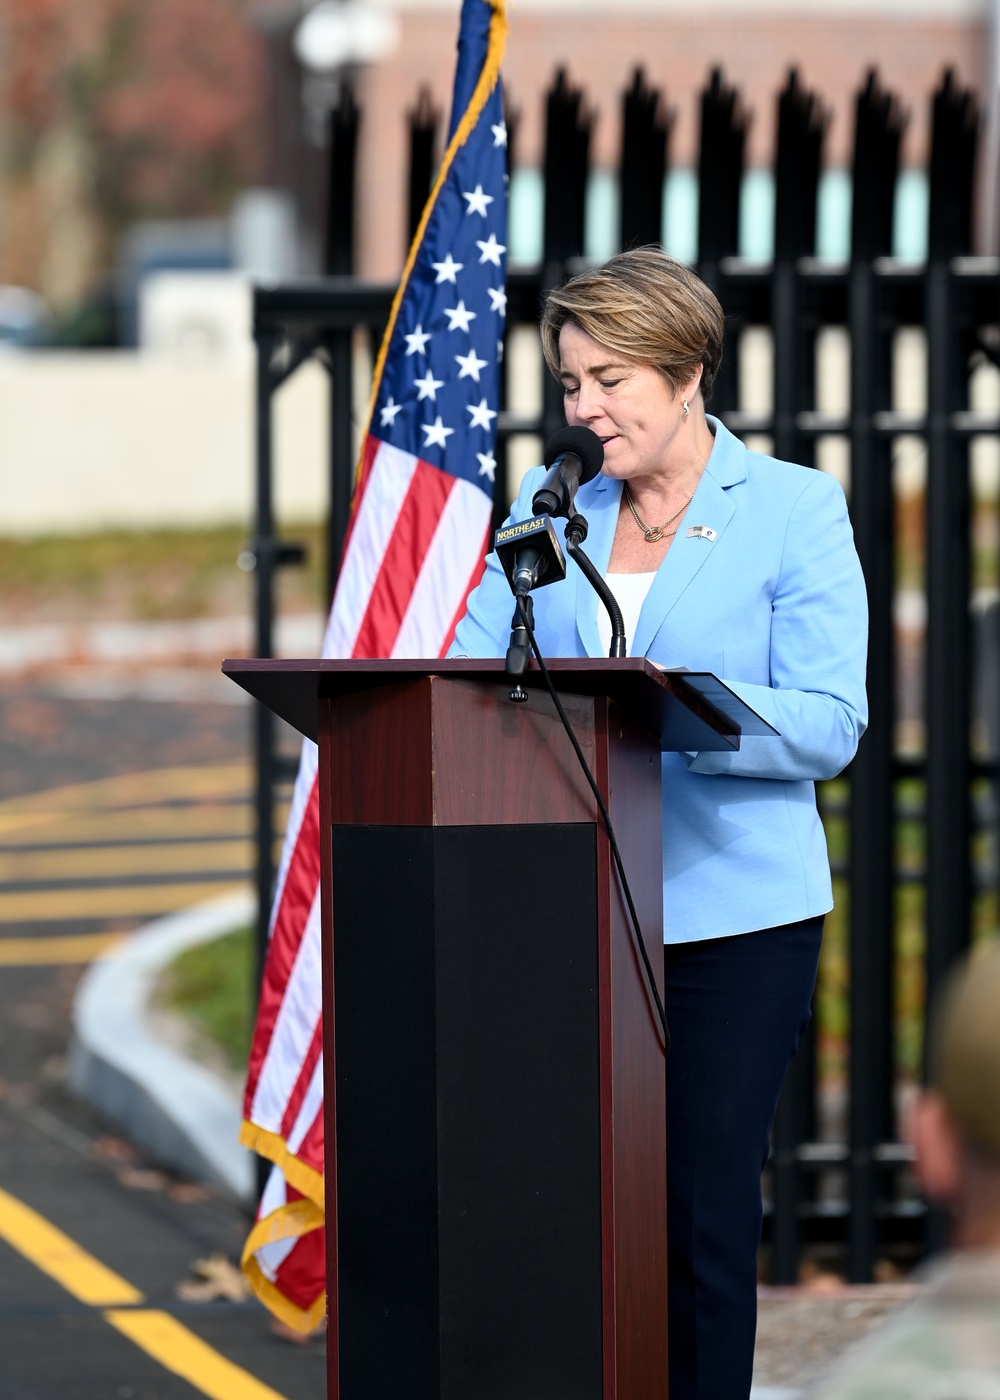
(439, 394)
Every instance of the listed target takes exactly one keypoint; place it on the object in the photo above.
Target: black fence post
(424, 122)
(643, 165)
(338, 255)
(567, 163)
(721, 150)
(264, 560)
(801, 127)
(340, 235)
(954, 133)
(949, 887)
(878, 127)
(948, 655)
(568, 126)
(800, 136)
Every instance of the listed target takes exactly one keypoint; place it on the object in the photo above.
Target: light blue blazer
(776, 606)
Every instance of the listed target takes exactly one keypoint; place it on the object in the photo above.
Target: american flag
(415, 548)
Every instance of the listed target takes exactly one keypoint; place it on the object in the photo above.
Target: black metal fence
(912, 829)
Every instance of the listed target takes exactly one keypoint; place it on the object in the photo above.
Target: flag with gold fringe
(415, 548)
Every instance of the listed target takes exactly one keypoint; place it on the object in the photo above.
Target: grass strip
(210, 986)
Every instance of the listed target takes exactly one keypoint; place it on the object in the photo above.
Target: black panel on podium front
(468, 1127)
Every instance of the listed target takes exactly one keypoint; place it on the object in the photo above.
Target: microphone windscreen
(583, 443)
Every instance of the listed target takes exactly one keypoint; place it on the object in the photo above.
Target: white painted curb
(183, 1113)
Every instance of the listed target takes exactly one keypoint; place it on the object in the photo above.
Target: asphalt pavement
(125, 796)
(95, 1240)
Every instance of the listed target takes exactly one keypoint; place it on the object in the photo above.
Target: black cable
(651, 980)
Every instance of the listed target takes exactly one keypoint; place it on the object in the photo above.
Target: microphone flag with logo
(415, 548)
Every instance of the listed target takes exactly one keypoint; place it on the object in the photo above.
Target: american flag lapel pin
(702, 532)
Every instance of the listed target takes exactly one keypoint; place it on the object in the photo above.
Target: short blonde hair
(644, 305)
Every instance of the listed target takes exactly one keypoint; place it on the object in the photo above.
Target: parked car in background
(25, 319)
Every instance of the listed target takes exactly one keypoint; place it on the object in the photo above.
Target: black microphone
(573, 456)
(530, 553)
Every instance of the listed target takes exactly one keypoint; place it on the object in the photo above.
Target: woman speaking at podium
(728, 561)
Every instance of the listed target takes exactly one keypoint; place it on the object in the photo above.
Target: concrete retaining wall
(120, 439)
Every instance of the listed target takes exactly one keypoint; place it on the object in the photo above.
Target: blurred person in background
(946, 1344)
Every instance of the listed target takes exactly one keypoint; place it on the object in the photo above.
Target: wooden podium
(494, 1071)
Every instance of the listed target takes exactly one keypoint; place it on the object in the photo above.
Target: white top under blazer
(769, 595)
(629, 592)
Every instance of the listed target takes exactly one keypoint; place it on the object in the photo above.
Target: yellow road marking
(40, 952)
(180, 1351)
(137, 789)
(23, 822)
(42, 906)
(203, 819)
(214, 820)
(58, 1256)
(164, 858)
(161, 1336)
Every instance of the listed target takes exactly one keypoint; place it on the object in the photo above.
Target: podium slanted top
(684, 710)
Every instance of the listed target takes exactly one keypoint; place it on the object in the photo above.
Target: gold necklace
(654, 533)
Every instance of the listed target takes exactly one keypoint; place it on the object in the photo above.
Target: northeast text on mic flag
(415, 547)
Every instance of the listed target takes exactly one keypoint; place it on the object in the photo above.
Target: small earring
(684, 405)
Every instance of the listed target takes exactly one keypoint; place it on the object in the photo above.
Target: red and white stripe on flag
(416, 549)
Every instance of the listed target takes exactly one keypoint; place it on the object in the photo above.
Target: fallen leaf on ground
(113, 1149)
(188, 1193)
(143, 1179)
(217, 1277)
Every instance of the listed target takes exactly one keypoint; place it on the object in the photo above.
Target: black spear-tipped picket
(338, 258)
(345, 120)
(948, 654)
(568, 125)
(878, 129)
(645, 136)
(721, 153)
(954, 134)
(802, 123)
(424, 121)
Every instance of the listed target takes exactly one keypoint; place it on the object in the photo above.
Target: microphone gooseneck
(576, 533)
